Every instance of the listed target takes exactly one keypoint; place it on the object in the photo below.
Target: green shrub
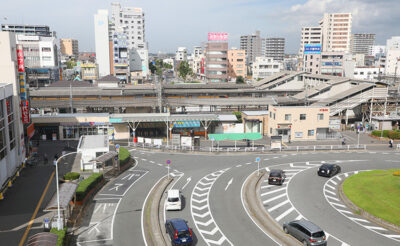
(61, 235)
(124, 156)
(71, 176)
(394, 134)
(87, 184)
(397, 173)
(238, 116)
(378, 133)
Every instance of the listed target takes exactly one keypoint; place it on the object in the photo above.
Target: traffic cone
(9, 183)
(1, 196)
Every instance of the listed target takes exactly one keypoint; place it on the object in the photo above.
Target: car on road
(306, 232)
(173, 201)
(276, 177)
(329, 170)
(179, 232)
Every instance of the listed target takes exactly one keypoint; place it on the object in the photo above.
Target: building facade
(236, 63)
(336, 32)
(368, 72)
(102, 43)
(274, 48)
(69, 47)
(265, 66)
(393, 43)
(181, 54)
(310, 35)
(89, 72)
(252, 45)
(377, 50)
(217, 62)
(30, 30)
(121, 57)
(392, 66)
(361, 43)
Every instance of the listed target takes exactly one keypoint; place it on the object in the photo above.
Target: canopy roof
(67, 192)
(235, 136)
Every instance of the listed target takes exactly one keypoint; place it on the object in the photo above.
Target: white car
(173, 201)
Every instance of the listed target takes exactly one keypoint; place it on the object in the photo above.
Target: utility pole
(159, 93)
(70, 97)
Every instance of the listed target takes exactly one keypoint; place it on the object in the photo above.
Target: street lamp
(59, 224)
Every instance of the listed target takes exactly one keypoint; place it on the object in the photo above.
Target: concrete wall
(121, 131)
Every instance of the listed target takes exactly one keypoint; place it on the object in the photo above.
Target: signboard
(25, 112)
(217, 36)
(186, 141)
(186, 124)
(157, 142)
(311, 49)
(20, 58)
(22, 86)
(147, 140)
(140, 140)
(30, 130)
(331, 64)
(176, 139)
(276, 142)
(258, 159)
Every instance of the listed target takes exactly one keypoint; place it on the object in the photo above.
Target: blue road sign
(117, 146)
(258, 159)
(168, 162)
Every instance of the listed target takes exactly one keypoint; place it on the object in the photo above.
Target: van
(306, 232)
(174, 201)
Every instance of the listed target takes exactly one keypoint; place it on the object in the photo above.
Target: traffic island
(374, 195)
(154, 235)
(255, 209)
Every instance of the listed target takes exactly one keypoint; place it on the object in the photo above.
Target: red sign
(217, 36)
(323, 109)
(30, 130)
(25, 112)
(20, 58)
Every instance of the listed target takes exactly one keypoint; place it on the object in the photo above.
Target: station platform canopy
(161, 117)
(235, 136)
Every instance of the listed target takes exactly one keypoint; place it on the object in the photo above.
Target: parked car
(173, 201)
(306, 232)
(329, 170)
(276, 176)
(179, 232)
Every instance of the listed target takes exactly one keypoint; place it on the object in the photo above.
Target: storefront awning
(235, 136)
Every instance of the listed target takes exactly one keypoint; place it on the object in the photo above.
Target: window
(10, 115)
(3, 147)
(274, 116)
(288, 117)
(46, 49)
(298, 134)
(302, 116)
(270, 130)
(310, 133)
(320, 116)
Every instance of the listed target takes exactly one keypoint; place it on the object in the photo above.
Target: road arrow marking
(229, 183)
(130, 176)
(116, 187)
(187, 182)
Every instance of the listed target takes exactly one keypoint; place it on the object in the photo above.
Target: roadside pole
(258, 165)
(168, 163)
(59, 225)
(358, 137)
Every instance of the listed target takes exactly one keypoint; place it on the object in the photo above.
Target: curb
(256, 210)
(365, 214)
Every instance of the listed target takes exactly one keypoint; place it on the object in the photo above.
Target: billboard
(20, 58)
(217, 36)
(311, 49)
(25, 111)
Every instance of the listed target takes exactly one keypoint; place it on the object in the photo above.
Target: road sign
(117, 146)
(258, 159)
(168, 162)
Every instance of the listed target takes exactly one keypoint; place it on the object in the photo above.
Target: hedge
(387, 134)
(71, 176)
(87, 184)
(124, 156)
(61, 235)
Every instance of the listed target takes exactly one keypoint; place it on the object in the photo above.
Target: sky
(173, 23)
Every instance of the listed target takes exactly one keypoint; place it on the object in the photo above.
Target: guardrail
(261, 149)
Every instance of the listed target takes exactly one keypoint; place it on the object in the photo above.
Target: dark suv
(276, 176)
(179, 232)
(328, 170)
(306, 232)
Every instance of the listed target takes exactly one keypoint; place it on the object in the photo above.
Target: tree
(152, 67)
(184, 70)
(239, 80)
(71, 64)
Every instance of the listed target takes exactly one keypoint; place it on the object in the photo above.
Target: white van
(174, 201)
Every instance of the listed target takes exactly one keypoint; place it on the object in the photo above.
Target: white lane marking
(333, 182)
(330, 192)
(358, 219)
(274, 198)
(346, 175)
(284, 214)
(345, 211)
(333, 198)
(278, 205)
(159, 164)
(376, 228)
(187, 182)
(393, 236)
(273, 191)
(248, 163)
(144, 159)
(151, 162)
(330, 186)
(299, 217)
(200, 201)
(229, 183)
(238, 165)
(200, 195)
(202, 215)
(338, 204)
(266, 186)
(338, 178)
(116, 187)
(212, 232)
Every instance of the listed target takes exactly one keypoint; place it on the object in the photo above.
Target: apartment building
(361, 43)
(69, 47)
(265, 66)
(236, 63)
(217, 62)
(30, 30)
(310, 35)
(89, 72)
(252, 46)
(327, 63)
(120, 57)
(392, 66)
(336, 32)
(102, 43)
(377, 50)
(181, 54)
(274, 48)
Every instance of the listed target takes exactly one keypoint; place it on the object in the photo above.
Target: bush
(387, 134)
(71, 176)
(87, 184)
(238, 116)
(394, 135)
(61, 235)
(397, 173)
(124, 156)
(378, 133)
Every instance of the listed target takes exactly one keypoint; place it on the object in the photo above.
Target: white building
(39, 52)
(92, 146)
(360, 42)
(197, 51)
(392, 66)
(377, 50)
(181, 54)
(102, 41)
(265, 66)
(336, 32)
(139, 61)
(310, 35)
(393, 43)
(368, 73)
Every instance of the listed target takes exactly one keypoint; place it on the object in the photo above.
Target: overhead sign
(310, 49)
(217, 36)
(25, 112)
(186, 124)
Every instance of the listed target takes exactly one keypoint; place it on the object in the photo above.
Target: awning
(43, 239)
(67, 192)
(235, 136)
(107, 156)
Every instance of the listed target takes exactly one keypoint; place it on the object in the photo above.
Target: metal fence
(328, 135)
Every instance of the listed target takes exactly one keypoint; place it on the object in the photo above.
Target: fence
(328, 135)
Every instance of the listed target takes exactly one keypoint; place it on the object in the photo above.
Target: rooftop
(93, 142)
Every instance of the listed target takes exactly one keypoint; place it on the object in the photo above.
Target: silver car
(306, 232)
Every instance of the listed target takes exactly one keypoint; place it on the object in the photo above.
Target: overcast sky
(173, 23)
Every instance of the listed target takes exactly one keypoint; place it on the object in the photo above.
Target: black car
(328, 170)
(179, 232)
(276, 177)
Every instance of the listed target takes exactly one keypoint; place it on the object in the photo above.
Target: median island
(376, 192)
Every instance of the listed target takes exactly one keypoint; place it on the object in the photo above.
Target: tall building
(236, 63)
(360, 43)
(264, 67)
(69, 47)
(377, 50)
(216, 61)
(102, 42)
(181, 54)
(310, 35)
(121, 57)
(392, 66)
(274, 48)
(252, 45)
(33, 30)
(336, 32)
(393, 43)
